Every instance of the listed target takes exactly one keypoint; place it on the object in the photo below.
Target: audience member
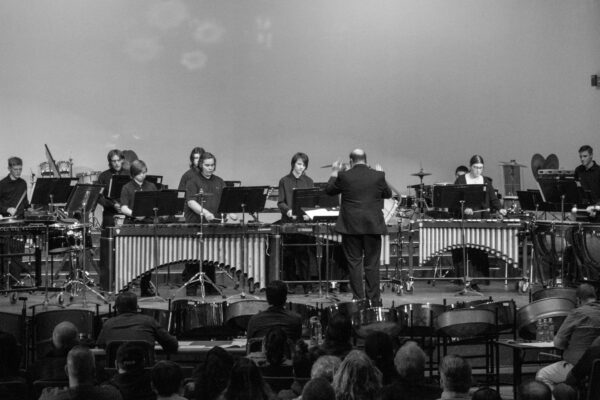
(51, 367)
(276, 315)
(485, 393)
(325, 367)
(357, 378)
(10, 356)
(132, 380)
(131, 325)
(455, 378)
(337, 336)
(380, 349)
(534, 390)
(246, 383)
(81, 370)
(318, 389)
(574, 337)
(212, 376)
(578, 377)
(410, 383)
(302, 361)
(167, 380)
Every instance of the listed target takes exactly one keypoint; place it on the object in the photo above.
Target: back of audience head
(410, 361)
(276, 346)
(10, 355)
(534, 390)
(339, 328)
(246, 382)
(380, 348)
(318, 389)
(65, 335)
(126, 302)
(302, 359)
(325, 367)
(81, 367)
(357, 378)
(166, 378)
(130, 357)
(485, 393)
(277, 293)
(585, 293)
(214, 375)
(455, 374)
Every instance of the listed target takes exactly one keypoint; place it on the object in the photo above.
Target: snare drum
(88, 177)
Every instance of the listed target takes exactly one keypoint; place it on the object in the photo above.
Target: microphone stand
(467, 289)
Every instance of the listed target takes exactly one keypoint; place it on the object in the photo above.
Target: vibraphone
(132, 249)
(500, 238)
(17, 240)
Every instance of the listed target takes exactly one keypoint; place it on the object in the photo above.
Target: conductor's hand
(468, 211)
(336, 167)
(378, 167)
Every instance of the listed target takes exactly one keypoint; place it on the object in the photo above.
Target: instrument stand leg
(156, 296)
(202, 278)
(468, 289)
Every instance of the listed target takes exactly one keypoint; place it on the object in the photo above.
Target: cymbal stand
(81, 279)
(467, 289)
(201, 276)
(156, 296)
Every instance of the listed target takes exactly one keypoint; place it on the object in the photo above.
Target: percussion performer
(110, 206)
(138, 183)
(360, 221)
(588, 173)
(478, 257)
(194, 167)
(296, 259)
(13, 202)
(203, 191)
(13, 190)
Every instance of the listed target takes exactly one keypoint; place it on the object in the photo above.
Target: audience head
(410, 361)
(276, 293)
(585, 293)
(357, 378)
(126, 303)
(276, 347)
(318, 389)
(246, 382)
(214, 375)
(486, 393)
(166, 378)
(325, 367)
(81, 367)
(303, 358)
(130, 357)
(339, 328)
(380, 349)
(10, 356)
(65, 335)
(455, 374)
(534, 390)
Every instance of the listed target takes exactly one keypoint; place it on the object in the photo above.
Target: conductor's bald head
(358, 156)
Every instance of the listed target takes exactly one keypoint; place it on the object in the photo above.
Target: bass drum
(418, 319)
(466, 323)
(238, 314)
(586, 242)
(554, 308)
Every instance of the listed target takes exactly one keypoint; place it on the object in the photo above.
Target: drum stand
(81, 280)
(201, 276)
(467, 290)
(156, 296)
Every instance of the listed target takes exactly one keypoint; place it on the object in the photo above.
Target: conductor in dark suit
(360, 221)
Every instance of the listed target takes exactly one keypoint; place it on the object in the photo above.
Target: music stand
(562, 193)
(244, 199)
(530, 200)
(82, 200)
(456, 198)
(49, 191)
(154, 204)
(116, 184)
(156, 180)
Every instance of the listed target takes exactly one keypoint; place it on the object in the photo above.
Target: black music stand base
(203, 279)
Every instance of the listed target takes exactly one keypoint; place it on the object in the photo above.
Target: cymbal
(421, 174)
(512, 163)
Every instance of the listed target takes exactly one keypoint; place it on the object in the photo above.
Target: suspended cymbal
(537, 163)
(421, 174)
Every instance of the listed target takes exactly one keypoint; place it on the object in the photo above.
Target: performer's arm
(198, 209)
